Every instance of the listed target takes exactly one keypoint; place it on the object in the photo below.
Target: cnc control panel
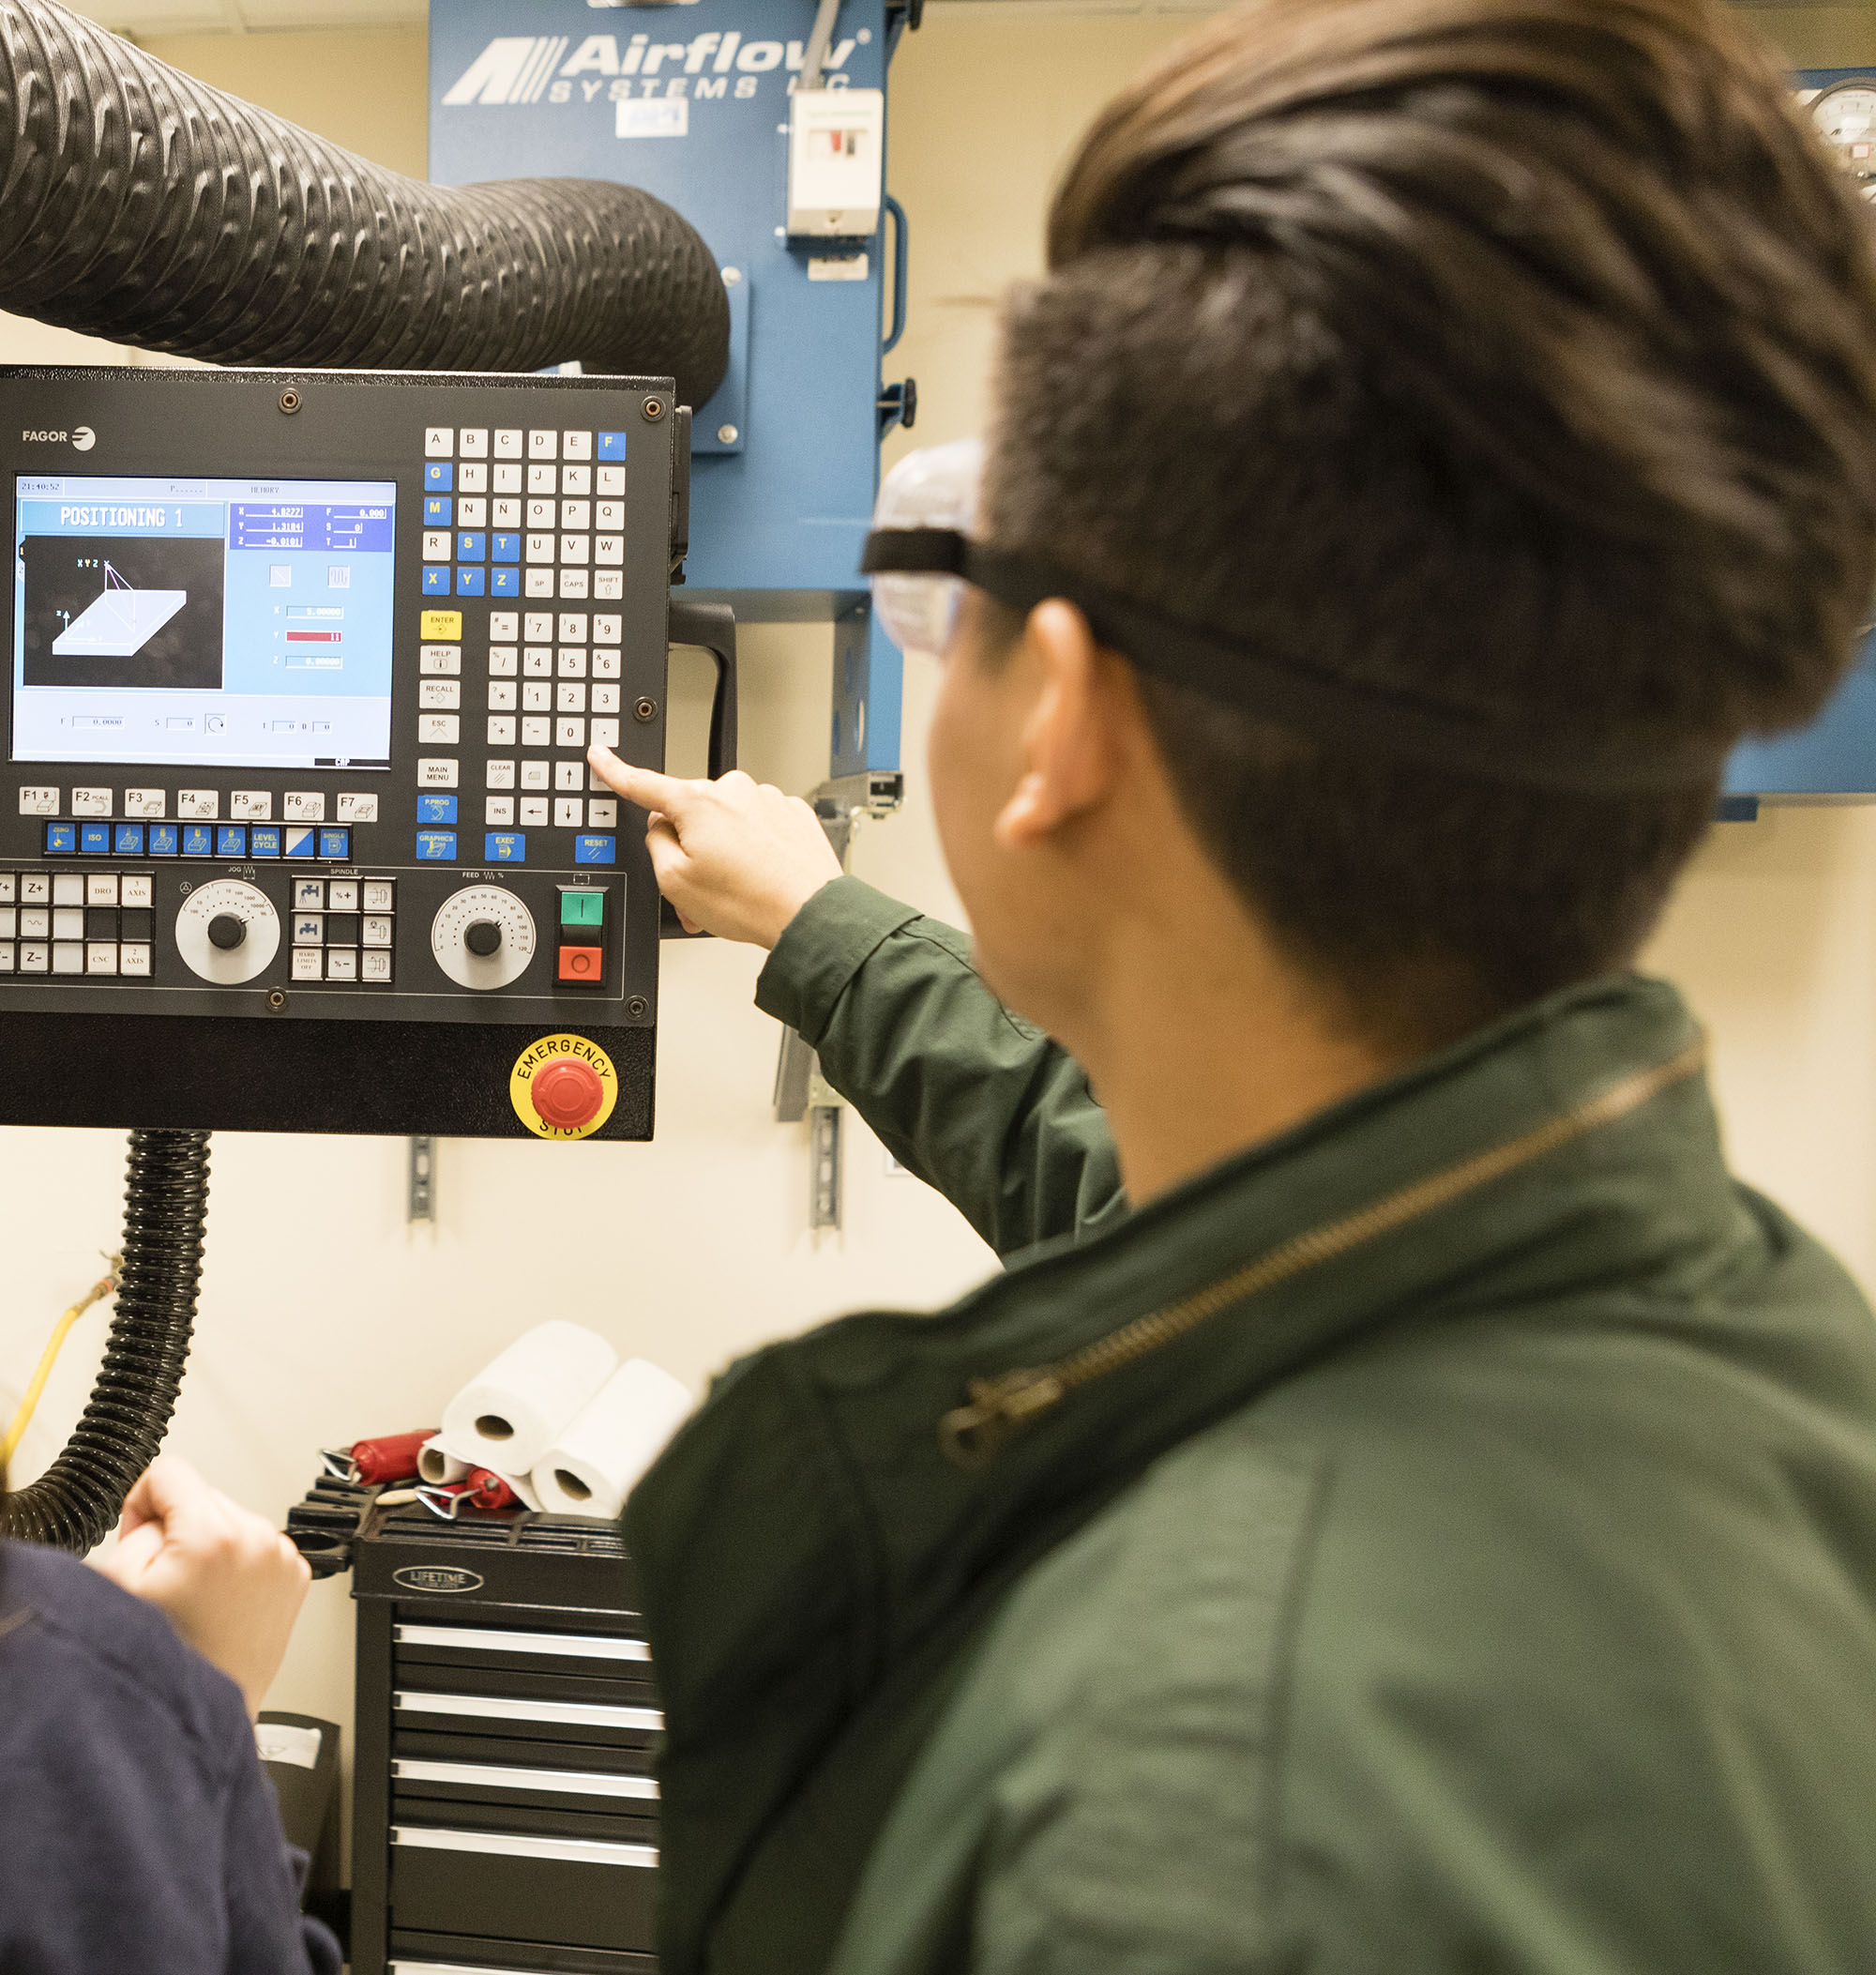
(296, 825)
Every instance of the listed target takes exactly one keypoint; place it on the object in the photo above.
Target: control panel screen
(224, 623)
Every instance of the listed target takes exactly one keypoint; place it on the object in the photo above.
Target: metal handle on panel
(572, 1646)
(504, 1845)
(712, 627)
(901, 257)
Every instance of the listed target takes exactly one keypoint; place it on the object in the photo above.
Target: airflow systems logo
(515, 69)
(532, 69)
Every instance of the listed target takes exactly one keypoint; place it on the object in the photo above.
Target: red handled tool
(392, 1457)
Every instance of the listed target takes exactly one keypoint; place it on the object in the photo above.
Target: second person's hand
(735, 856)
(230, 1582)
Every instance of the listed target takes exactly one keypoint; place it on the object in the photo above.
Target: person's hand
(736, 857)
(231, 1584)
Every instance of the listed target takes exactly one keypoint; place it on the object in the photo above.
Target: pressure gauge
(1845, 115)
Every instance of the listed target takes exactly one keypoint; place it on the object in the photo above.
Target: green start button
(583, 908)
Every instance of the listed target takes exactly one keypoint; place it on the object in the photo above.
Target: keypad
(102, 926)
(343, 930)
(533, 513)
(532, 518)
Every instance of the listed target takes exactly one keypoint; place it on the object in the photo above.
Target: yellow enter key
(443, 624)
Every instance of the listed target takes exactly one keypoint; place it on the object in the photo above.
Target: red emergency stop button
(568, 1093)
(582, 966)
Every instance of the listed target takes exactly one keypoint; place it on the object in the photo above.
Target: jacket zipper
(999, 1408)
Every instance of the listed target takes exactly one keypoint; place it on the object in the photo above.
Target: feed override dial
(483, 938)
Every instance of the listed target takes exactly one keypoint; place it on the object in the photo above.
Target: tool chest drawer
(508, 1649)
(580, 1891)
(417, 1953)
(587, 1768)
(450, 1780)
(527, 1718)
(582, 1684)
(524, 1813)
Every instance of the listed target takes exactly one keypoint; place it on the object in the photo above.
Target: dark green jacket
(1466, 1560)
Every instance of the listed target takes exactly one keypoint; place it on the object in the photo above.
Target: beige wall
(367, 90)
(323, 1317)
(1820, 37)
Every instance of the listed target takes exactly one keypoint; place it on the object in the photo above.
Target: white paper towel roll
(436, 1464)
(440, 1466)
(592, 1467)
(505, 1418)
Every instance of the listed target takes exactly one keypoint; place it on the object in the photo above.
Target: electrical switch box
(836, 162)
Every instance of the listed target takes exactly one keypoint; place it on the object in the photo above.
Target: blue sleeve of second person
(266, 1929)
(137, 1829)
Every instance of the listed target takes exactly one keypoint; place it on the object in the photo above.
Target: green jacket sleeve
(963, 1093)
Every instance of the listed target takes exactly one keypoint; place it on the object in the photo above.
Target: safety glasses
(921, 553)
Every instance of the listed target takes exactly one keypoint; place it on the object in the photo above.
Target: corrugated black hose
(139, 204)
(74, 1504)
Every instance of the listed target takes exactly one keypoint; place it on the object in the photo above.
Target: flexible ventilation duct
(138, 205)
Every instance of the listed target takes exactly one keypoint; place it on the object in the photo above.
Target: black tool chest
(504, 1814)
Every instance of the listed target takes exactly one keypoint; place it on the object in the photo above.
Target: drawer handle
(571, 1714)
(457, 1968)
(568, 1646)
(505, 1776)
(505, 1844)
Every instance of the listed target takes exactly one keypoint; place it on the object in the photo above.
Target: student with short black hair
(1405, 1506)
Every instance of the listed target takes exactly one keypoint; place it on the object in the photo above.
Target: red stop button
(568, 1094)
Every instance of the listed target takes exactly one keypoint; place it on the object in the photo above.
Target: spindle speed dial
(483, 938)
(228, 931)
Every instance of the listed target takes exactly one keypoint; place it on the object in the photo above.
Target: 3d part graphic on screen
(120, 622)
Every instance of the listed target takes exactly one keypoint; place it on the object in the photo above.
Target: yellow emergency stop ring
(554, 1049)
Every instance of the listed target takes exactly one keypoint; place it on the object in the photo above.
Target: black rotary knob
(227, 931)
(483, 938)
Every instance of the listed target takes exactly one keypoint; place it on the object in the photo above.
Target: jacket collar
(808, 1558)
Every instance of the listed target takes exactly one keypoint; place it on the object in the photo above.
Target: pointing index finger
(649, 791)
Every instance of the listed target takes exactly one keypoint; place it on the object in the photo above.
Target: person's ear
(1069, 744)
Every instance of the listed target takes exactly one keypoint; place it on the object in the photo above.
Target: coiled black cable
(74, 1505)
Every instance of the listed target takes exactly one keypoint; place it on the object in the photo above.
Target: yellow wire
(49, 1356)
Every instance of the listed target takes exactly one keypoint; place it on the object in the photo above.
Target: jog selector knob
(483, 938)
(228, 931)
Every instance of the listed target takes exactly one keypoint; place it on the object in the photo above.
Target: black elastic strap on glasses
(1315, 705)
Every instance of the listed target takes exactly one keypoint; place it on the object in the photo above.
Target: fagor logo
(532, 69)
(84, 439)
(81, 437)
(435, 1578)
